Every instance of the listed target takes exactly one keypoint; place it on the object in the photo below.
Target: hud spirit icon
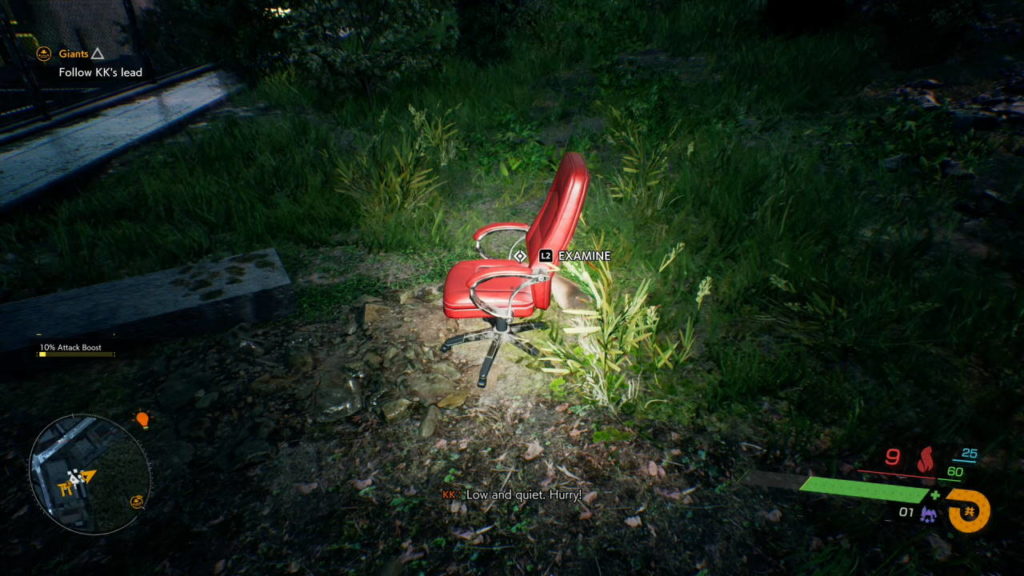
(928, 515)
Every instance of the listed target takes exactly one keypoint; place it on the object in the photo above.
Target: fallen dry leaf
(549, 478)
(675, 495)
(533, 450)
(634, 522)
(652, 469)
(363, 484)
(474, 536)
(586, 514)
(457, 507)
(305, 488)
(410, 554)
(590, 497)
(219, 566)
(562, 407)
(774, 516)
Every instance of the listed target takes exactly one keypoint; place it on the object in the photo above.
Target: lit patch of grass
(320, 302)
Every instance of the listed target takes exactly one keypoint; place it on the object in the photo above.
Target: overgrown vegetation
(613, 354)
(394, 182)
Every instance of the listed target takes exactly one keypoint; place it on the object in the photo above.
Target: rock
(180, 453)
(299, 361)
(207, 400)
(340, 393)
(974, 120)
(430, 421)
(894, 163)
(453, 400)
(775, 516)
(429, 387)
(252, 451)
(180, 389)
(372, 313)
(395, 409)
(406, 296)
(941, 550)
(266, 384)
(448, 370)
(373, 359)
(429, 293)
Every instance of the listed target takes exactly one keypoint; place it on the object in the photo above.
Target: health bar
(859, 489)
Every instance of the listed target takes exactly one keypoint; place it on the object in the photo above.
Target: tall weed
(612, 354)
(394, 181)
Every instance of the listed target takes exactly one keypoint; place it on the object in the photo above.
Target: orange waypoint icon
(143, 419)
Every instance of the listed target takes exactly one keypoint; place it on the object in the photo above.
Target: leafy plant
(616, 352)
(640, 184)
(436, 134)
(394, 183)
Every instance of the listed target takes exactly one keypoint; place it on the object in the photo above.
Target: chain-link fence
(57, 53)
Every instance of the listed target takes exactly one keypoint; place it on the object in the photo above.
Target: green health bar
(859, 489)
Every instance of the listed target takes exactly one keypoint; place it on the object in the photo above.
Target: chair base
(499, 332)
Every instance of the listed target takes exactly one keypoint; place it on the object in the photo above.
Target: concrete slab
(193, 299)
(32, 165)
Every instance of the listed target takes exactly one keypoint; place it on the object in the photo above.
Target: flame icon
(925, 464)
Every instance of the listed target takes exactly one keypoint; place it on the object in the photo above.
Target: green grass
(835, 300)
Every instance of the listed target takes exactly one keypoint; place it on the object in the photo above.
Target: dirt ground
(326, 448)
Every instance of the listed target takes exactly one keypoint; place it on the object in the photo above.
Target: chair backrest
(554, 226)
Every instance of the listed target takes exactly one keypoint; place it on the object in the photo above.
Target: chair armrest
(529, 278)
(498, 227)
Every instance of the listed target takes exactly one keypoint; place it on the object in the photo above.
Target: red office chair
(499, 290)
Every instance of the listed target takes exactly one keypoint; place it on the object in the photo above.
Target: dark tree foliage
(239, 34)
(367, 44)
(921, 32)
(794, 17)
(486, 27)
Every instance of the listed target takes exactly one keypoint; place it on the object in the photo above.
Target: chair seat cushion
(494, 292)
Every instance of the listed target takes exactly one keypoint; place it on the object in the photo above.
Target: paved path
(29, 166)
(202, 297)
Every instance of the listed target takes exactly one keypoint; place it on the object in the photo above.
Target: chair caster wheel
(445, 348)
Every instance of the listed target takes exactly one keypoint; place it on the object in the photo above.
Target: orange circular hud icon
(44, 54)
(973, 514)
